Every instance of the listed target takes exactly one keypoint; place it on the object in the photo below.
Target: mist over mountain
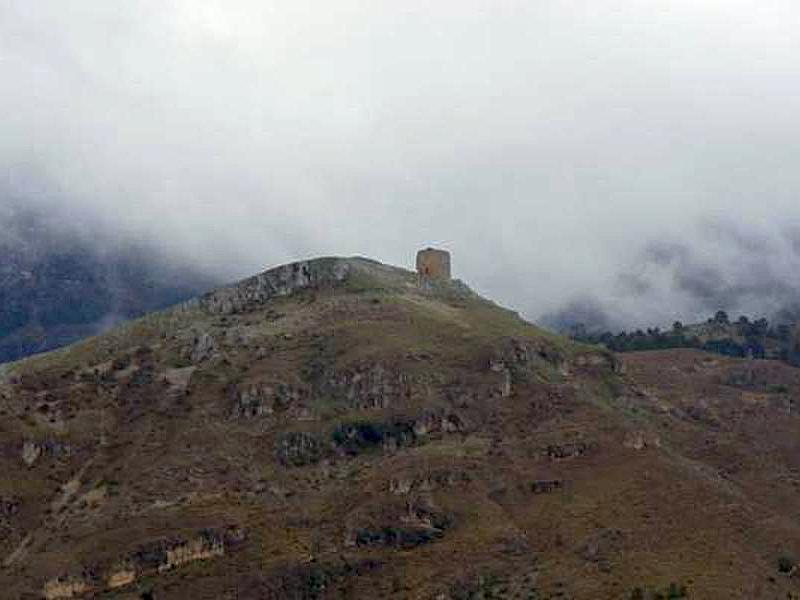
(643, 159)
(58, 284)
(743, 269)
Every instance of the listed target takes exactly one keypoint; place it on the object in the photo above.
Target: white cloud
(546, 143)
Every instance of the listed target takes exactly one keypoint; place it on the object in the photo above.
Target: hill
(333, 429)
(742, 338)
(57, 285)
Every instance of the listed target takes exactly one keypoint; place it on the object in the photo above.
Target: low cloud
(718, 265)
(642, 158)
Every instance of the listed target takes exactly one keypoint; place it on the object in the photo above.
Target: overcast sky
(643, 154)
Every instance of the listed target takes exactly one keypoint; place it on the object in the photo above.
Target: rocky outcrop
(520, 357)
(204, 347)
(357, 437)
(121, 576)
(149, 560)
(263, 399)
(33, 450)
(438, 421)
(547, 486)
(9, 506)
(639, 440)
(599, 360)
(205, 547)
(299, 448)
(365, 387)
(402, 486)
(419, 523)
(274, 283)
(167, 555)
(68, 587)
(566, 451)
(504, 387)
(9, 509)
(178, 380)
(602, 547)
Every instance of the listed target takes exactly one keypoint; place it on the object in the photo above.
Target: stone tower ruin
(433, 265)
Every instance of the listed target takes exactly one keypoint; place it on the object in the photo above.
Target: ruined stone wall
(434, 264)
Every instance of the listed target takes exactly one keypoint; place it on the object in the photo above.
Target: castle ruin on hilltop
(433, 265)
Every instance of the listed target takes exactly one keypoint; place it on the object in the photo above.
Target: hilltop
(335, 429)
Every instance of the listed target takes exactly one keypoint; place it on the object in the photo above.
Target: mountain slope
(331, 429)
(57, 285)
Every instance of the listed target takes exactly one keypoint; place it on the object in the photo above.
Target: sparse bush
(120, 363)
(637, 341)
(778, 388)
(360, 436)
(396, 537)
(482, 587)
(786, 563)
(673, 592)
(142, 377)
(726, 347)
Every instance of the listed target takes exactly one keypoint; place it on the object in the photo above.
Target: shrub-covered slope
(330, 429)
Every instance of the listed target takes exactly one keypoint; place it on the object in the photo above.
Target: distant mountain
(58, 284)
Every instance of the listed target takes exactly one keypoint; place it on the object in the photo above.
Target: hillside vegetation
(334, 429)
(742, 338)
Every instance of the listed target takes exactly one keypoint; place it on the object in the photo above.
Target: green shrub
(675, 591)
(362, 436)
(786, 563)
(778, 389)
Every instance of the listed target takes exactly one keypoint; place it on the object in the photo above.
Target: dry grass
(711, 506)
